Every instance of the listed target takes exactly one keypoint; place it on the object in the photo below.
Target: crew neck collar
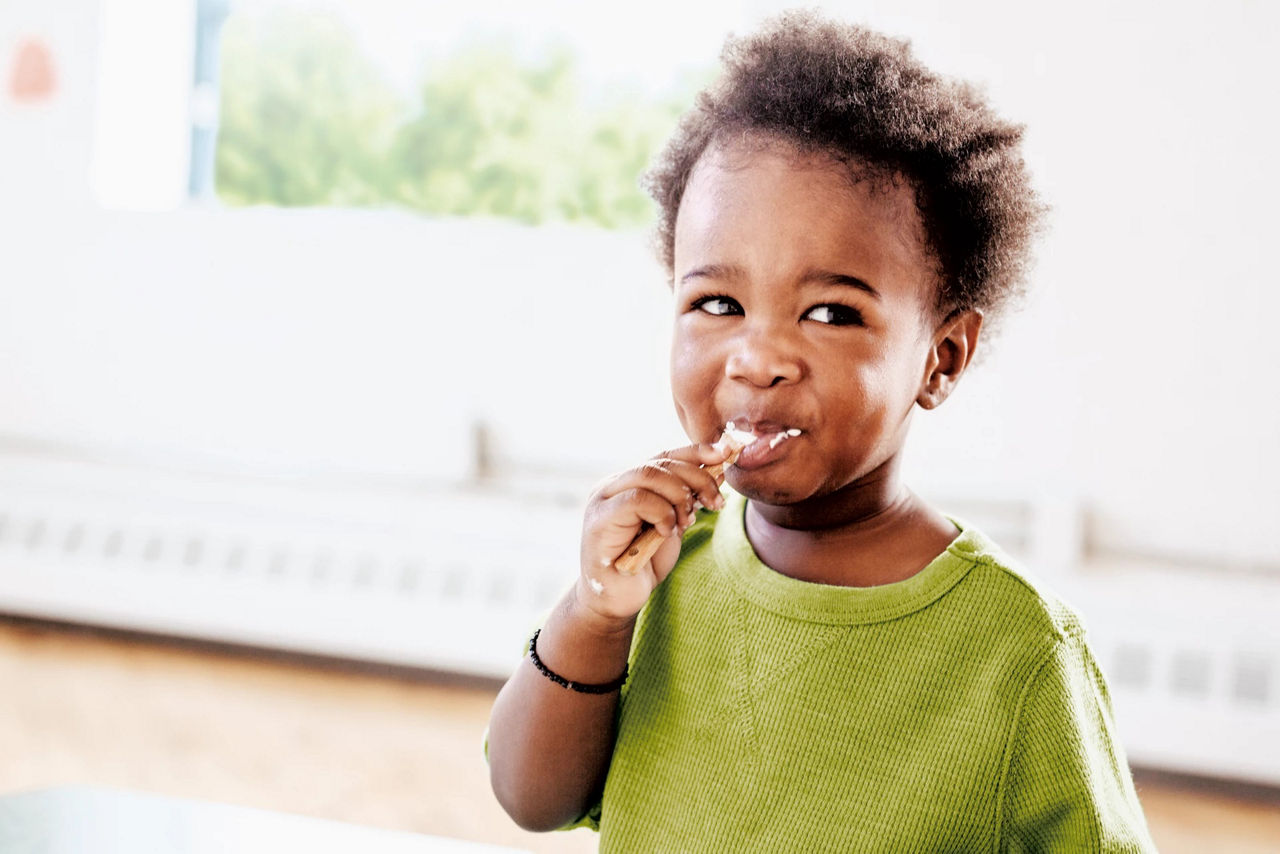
(826, 603)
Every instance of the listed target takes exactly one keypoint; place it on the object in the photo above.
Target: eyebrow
(827, 277)
(733, 271)
(714, 271)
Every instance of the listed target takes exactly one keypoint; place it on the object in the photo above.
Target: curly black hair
(862, 98)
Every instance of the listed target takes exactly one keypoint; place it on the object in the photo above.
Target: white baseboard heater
(449, 580)
(454, 580)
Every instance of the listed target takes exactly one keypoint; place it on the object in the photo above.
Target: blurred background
(318, 319)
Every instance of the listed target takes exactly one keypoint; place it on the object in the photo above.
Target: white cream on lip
(734, 438)
(789, 433)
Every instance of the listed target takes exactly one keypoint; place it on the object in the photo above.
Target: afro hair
(862, 98)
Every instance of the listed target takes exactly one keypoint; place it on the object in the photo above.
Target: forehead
(776, 211)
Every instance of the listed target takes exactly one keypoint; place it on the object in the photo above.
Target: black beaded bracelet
(580, 687)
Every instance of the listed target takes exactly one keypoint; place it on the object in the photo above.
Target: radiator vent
(1193, 695)
(1252, 678)
(445, 581)
(1244, 678)
(1131, 666)
(1190, 673)
(456, 581)
(306, 563)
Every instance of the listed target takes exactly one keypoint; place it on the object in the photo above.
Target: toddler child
(816, 659)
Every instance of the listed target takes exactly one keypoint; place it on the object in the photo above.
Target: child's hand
(665, 492)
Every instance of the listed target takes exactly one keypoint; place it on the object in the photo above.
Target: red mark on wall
(32, 78)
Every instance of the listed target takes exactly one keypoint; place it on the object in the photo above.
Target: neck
(874, 531)
(867, 502)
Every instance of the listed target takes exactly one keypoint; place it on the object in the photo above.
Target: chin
(760, 490)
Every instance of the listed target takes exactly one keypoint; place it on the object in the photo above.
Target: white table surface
(89, 820)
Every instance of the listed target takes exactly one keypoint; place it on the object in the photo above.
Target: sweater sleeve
(1067, 783)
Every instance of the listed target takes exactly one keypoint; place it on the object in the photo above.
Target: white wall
(45, 147)
(1141, 373)
(1137, 379)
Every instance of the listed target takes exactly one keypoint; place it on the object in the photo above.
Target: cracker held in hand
(732, 441)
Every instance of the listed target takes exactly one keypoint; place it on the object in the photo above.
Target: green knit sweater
(959, 710)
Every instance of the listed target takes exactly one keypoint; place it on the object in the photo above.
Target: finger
(673, 479)
(664, 559)
(667, 478)
(703, 453)
(698, 480)
(628, 511)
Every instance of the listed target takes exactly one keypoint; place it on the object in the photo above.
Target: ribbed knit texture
(958, 710)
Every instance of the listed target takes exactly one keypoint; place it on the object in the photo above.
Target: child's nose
(763, 358)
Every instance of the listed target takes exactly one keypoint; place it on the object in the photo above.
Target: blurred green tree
(308, 120)
(303, 116)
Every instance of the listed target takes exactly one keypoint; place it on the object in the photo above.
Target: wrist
(582, 608)
(583, 646)
(568, 684)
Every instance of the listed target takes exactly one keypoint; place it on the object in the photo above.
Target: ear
(954, 343)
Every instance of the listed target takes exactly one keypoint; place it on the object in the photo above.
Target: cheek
(693, 381)
(886, 403)
(888, 374)
(868, 404)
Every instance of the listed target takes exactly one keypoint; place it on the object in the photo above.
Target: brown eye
(834, 314)
(718, 306)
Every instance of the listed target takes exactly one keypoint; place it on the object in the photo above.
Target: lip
(758, 454)
(763, 451)
(765, 427)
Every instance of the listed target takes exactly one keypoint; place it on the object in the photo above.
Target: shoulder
(1013, 594)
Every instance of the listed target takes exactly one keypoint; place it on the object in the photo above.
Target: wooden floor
(374, 748)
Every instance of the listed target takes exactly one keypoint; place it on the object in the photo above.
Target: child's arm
(1068, 786)
(549, 746)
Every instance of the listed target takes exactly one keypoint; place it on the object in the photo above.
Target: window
(530, 112)
(511, 114)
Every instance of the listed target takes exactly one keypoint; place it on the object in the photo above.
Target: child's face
(776, 255)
